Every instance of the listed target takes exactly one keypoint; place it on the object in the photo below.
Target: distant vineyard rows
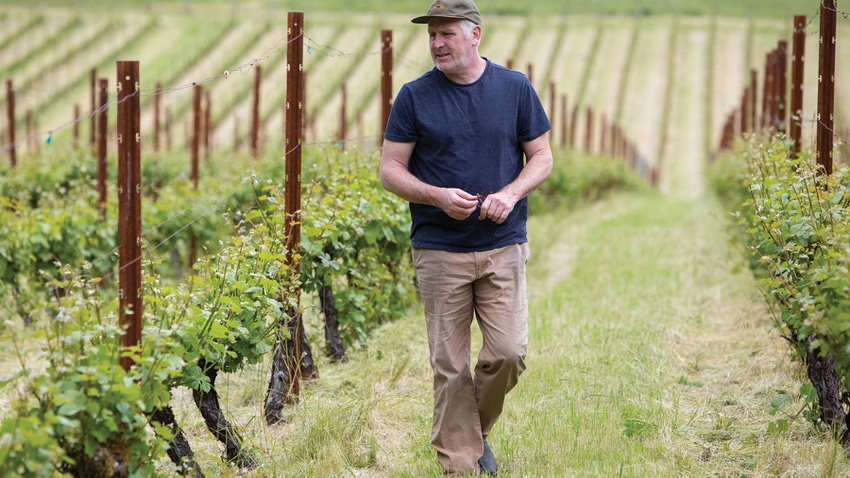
(667, 80)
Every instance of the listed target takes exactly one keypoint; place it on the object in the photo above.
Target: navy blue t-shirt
(467, 137)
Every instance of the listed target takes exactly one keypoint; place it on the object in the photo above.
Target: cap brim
(428, 18)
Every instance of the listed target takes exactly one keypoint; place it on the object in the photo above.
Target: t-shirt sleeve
(401, 126)
(533, 121)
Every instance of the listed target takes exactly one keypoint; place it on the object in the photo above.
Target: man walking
(465, 144)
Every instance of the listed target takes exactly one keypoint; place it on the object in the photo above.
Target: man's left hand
(497, 207)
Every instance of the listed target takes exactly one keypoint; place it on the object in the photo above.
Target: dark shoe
(487, 462)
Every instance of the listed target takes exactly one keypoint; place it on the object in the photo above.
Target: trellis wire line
(226, 73)
(835, 131)
(79, 119)
(844, 14)
(146, 92)
(344, 54)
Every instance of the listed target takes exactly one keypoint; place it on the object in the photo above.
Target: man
(454, 148)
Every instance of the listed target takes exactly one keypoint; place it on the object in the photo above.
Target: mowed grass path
(650, 354)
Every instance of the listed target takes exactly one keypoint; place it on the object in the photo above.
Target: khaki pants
(453, 287)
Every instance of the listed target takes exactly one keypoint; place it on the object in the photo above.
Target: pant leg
(501, 306)
(446, 289)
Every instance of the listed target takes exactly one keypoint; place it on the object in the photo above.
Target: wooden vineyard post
(10, 114)
(386, 78)
(255, 112)
(294, 134)
(93, 98)
(573, 126)
(196, 133)
(798, 59)
(284, 385)
(129, 206)
(754, 78)
(767, 97)
(826, 86)
(553, 99)
(195, 175)
(102, 119)
(781, 88)
(76, 130)
(343, 93)
(564, 122)
(603, 134)
(588, 134)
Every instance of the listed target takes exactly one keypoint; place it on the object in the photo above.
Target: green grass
(757, 8)
(648, 356)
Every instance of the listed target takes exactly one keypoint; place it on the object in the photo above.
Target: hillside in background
(668, 80)
(746, 8)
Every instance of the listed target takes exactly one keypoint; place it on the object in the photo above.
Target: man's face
(452, 51)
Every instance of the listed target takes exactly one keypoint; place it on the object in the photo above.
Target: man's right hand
(458, 204)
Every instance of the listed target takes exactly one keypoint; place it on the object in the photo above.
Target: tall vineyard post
(294, 141)
(129, 206)
(30, 129)
(76, 143)
(754, 78)
(93, 103)
(284, 385)
(10, 110)
(767, 95)
(564, 121)
(255, 112)
(196, 144)
(826, 86)
(386, 77)
(603, 134)
(343, 132)
(102, 126)
(745, 111)
(780, 86)
(588, 133)
(553, 99)
(798, 56)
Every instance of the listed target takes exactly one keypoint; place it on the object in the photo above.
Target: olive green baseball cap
(460, 9)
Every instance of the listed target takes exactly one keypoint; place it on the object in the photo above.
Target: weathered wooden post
(781, 88)
(386, 78)
(102, 131)
(255, 112)
(284, 385)
(343, 113)
(129, 206)
(826, 86)
(797, 69)
(588, 134)
(10, 114)
(76, 142)
(93, 98)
